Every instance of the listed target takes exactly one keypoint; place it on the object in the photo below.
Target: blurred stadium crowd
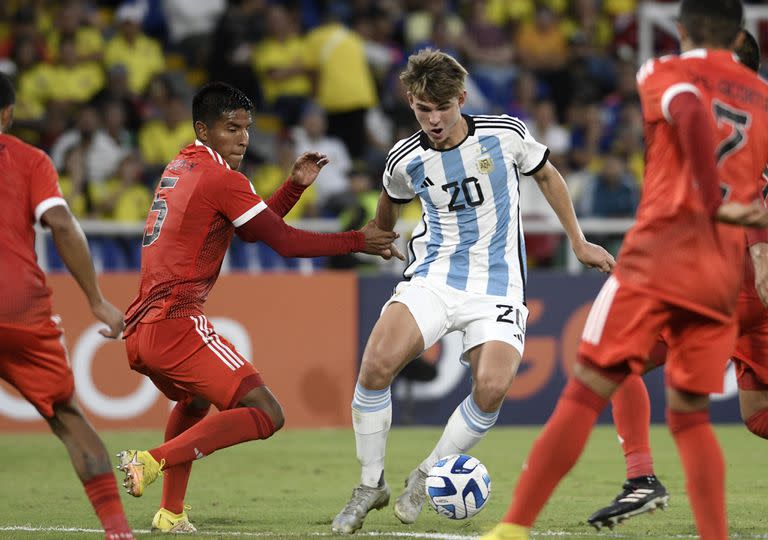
(105, 88)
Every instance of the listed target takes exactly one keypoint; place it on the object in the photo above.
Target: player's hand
(379, 242)
(392, 251)
(594, 256)
(307, 167)
(111, 316)
(746, 215)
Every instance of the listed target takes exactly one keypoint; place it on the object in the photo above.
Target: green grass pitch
(292, 485)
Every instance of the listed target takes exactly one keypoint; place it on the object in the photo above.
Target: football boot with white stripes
(639, 495)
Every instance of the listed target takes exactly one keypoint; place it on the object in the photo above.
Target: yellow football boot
(507, 531)
(140, 469)
(166, 521)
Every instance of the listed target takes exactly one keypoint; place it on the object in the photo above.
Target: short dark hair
(715, 22)
(7, 93)
(749, 51)
(216, 99)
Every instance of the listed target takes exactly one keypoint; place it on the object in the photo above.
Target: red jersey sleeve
(44, 188)
(232, 194)
(658, 81)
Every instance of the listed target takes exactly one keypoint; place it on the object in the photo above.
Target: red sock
(175, 479)
(758, 423)
(555, 451)
(213, 433)
(102, 492)
(704, 471)
(632, 417)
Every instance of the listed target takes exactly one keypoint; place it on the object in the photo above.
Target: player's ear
(201, 131)
(738, 41)
(6, 117)
(462, 98)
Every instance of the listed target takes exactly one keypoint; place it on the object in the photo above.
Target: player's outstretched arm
(288, 241)
(387, 214)
(303, 174)
(555, 190)
(73, 249)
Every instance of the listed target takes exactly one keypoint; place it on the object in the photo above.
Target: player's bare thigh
(752, 402)
(395, 340)
(494, 366)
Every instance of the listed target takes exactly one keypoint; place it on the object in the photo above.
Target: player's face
(229, 136)
(441, 122)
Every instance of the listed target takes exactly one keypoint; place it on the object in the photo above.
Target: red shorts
(185, 358)
(35, 363)
(751, 354)
(624, 325)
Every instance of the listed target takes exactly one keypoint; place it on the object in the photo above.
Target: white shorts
(439, 309)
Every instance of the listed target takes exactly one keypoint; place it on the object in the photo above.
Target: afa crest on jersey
(485, 164)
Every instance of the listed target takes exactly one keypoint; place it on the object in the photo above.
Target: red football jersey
(199, 202)
(28, 187)
(675, 251)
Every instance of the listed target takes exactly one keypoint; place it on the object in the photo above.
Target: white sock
(371, 418)
(466, 426)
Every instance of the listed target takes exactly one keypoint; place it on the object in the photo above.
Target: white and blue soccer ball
(458, 486)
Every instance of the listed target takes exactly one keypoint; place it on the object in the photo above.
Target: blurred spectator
(69, 80)
(281, 62)
(31, 80)
(70, 22)
(359, 208)
(72, 180)
(591, 75)
(418, 24)
(160, 140)
(115, 125)
(629, 139)
(238, 29)
(117, 91)
(124, 196)
(345, 85)
(376, 28)
(101, 153)
(23, 28)
(613, 193)
(491, 53)
(586, 126)
(545, 129)
(270, 175)
(155, 98)
(624, 94)
(542, 47)
(312, 136)
(141, 55)
(526, 94)
(190, 26)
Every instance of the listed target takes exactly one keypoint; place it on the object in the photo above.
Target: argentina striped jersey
(470, 236)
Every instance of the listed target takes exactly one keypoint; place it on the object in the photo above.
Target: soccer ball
(458, 486)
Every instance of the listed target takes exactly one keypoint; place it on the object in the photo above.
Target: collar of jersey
(214, 154)
(424, 139)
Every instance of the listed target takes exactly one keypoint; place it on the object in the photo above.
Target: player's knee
(277, 416)
(378, 368)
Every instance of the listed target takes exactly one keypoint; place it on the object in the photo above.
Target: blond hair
(433, 76)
